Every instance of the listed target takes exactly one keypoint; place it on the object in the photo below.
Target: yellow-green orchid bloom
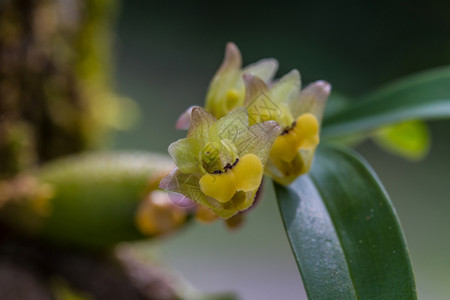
(220, 163)
(298, 113)
(227, 90)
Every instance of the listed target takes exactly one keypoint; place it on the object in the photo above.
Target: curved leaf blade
(422, 96)
(408, 139)
(344, 231)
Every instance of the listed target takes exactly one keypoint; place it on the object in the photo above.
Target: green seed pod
(96, 200)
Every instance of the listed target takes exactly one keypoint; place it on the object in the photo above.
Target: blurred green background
(168, 52)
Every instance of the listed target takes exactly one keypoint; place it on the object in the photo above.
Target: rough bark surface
(54, 98)
(54, 58)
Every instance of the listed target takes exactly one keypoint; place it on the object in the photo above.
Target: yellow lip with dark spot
(245, 176)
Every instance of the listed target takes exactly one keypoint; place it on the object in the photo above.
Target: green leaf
(422, 96)
(344, 231)
(336, 103)
(409, 139)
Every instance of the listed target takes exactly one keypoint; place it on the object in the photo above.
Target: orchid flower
(299, 113)
(227, 90)
(220, 164)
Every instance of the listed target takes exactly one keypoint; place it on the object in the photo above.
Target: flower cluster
(299, 113)
(262, 126)
(220, 163)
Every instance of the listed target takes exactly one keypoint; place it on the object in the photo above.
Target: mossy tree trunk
(56, 99)
(54, 75)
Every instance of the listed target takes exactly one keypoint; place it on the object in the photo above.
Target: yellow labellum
(245, 176)
(307, 129)
(304, 135)
(218, 186)
(248, 173)
(285, 146)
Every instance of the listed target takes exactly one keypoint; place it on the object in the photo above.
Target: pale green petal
(224, 133)
(230, 126)
(232, 59)
(258, 139)
(264, 69)
(258, 102)
(201, 121)
(185, 184)
(312, 99)
(287, 88)
(262, 106)
(226, 91)
(254, 88)
(184, 153)
(408, 139)
(226, 79)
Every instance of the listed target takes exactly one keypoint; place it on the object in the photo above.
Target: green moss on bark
(55, 82)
